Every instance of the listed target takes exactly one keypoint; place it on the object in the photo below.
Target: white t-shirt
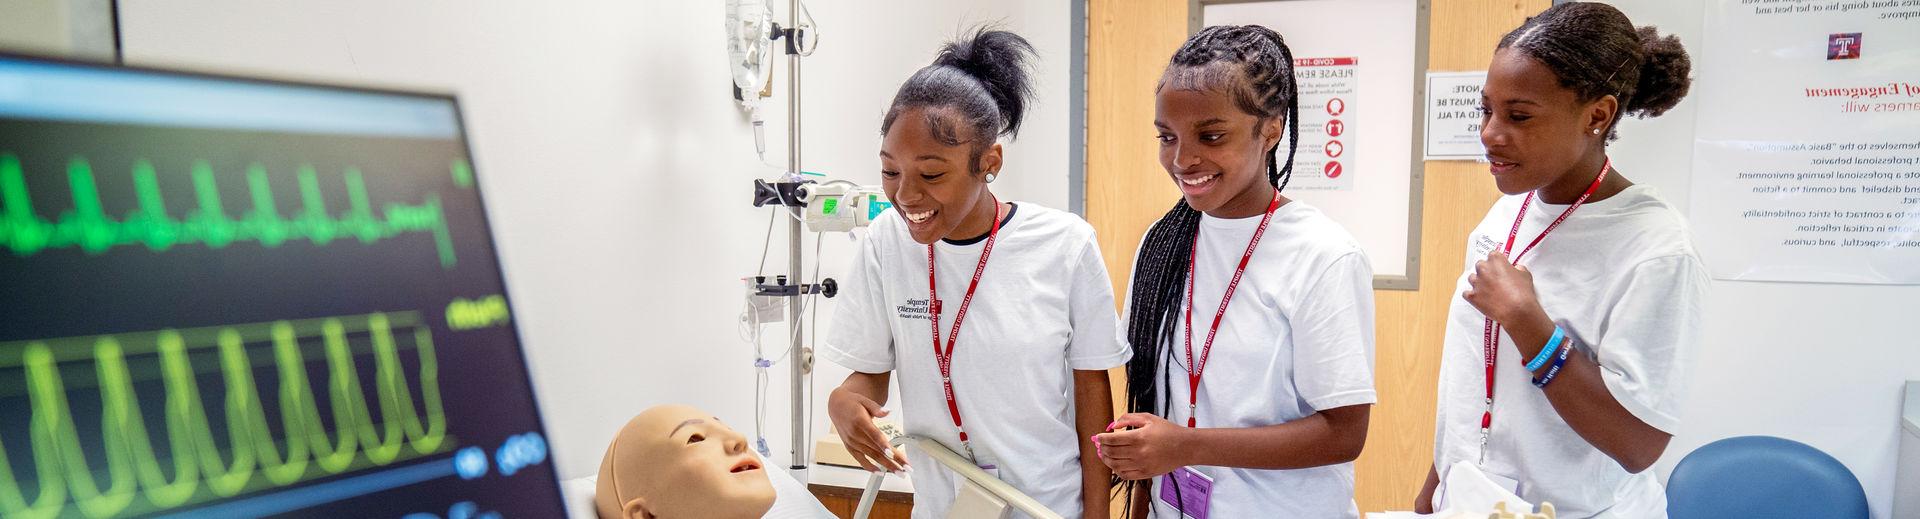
(1044, 307)
(1296, 339)
(1621, 276)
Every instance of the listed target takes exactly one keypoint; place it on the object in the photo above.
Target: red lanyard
(1491, 339)
(945, 356)
(1195, 369)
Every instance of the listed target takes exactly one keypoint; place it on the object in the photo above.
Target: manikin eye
(696, 438)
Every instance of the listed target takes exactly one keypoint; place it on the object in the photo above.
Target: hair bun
(998, 59)
(1663, 74)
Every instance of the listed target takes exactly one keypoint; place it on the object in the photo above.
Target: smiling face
(1215, 152)
(932, 180)
(1537, 132)
(675, 461)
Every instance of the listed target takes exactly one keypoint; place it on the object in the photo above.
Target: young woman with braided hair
(996, 316)
(1577, 281)
(1250, 315)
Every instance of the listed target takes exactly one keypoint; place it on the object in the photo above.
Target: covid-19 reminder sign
(1328, 89)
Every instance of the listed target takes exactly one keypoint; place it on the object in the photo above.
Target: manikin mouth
(744, 466)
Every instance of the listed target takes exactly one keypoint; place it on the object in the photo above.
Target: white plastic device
(841, 206)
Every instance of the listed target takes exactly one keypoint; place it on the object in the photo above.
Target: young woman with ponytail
(1567, 339)
(1250, 315)
(997, 316)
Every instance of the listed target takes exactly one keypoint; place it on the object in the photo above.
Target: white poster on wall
(1453, 116)
(1807, 153)
(1354, 62)
(1327, 112)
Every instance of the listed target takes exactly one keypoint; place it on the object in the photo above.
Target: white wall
(1819, 364)
(616, 167)
(80, 29)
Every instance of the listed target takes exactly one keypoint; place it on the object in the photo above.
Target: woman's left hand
(1153, 447)
(1501, 290)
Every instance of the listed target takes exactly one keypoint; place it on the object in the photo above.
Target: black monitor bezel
(466, 145)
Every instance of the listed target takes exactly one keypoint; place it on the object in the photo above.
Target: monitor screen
(227, 297)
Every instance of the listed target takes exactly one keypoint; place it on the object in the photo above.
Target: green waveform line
(462, 173)
(255, 458)
(88, 227)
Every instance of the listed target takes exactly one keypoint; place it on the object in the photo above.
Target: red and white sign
(1327, 88)
(1325, 62)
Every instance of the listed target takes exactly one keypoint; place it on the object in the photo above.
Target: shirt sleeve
(1333, 336)
(1097, 341)
(1651, 326)
(862, 338)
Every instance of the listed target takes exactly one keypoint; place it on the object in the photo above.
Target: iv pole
(797, 411)
(790, 192)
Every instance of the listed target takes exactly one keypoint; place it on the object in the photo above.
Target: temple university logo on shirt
(1482, 245)
(1843, 46)
(913, 309)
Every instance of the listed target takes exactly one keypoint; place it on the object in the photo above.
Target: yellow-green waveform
(88, 226)
(254, 457)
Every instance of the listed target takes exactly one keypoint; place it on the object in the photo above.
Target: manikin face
(673, 462)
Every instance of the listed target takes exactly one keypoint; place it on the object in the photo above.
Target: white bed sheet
(791, 500)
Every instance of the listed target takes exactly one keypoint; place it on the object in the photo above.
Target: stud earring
(991, 176)
(1596, 131)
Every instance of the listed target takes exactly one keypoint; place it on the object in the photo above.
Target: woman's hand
(852, 415)
(1501, 290)
(1153, 447)
(1423, 503)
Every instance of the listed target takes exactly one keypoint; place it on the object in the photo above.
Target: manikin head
(674, 461)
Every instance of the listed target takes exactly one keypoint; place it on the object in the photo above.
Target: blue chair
(1763, 477)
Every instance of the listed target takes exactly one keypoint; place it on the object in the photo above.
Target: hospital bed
(981, 496)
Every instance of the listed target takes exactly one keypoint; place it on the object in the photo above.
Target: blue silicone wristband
(1546, 352)
(1558, 362)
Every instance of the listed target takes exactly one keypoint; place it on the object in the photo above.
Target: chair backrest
(1763, 477)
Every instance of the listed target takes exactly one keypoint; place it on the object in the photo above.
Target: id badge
(987, 463)
(991, 469)
(1195, 491)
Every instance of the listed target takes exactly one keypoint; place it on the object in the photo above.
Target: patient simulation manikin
(674, 461)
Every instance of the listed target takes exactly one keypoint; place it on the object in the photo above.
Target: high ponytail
(997, 59)
(983, 78)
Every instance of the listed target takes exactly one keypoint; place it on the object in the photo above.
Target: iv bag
(749, 45)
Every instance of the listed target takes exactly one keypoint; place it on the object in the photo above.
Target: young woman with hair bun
(1567, 342)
